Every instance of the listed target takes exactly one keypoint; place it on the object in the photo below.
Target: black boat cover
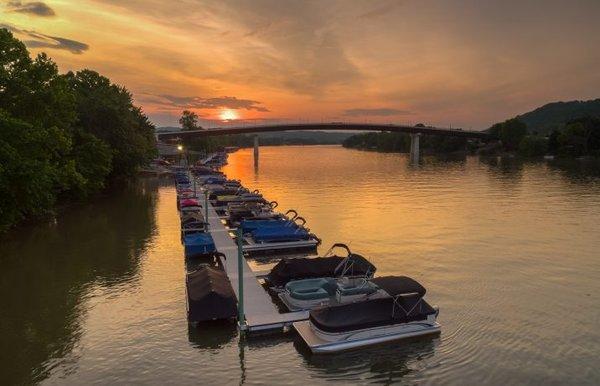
(399, 285)
(210, 295)
(367, 314)
(306, 268)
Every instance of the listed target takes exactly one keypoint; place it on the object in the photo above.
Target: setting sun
(228, 115)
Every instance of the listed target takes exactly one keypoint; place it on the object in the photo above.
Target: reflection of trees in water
(504, 167)
(47, 269)
(511, 168)
(579, 171)
(385, 363)
(444, 158)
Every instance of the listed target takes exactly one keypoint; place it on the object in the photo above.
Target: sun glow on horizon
(228, 115)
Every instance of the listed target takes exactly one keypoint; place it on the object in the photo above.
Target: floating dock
(260, 312)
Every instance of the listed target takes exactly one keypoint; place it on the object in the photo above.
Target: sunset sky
(461, 63)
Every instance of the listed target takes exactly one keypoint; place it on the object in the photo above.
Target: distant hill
(554, 115)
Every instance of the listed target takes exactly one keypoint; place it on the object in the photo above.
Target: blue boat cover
(197, 244)
(286, 233)
(251, 225)
(215, 180)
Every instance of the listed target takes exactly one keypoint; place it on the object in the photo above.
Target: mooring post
(255, 150)
(206, 207)
(241, 316)
(414, 148)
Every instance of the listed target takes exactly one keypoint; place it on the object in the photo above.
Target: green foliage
(511, 133)
(61, 136)
(189, 120)
(386, 142)
(554, 116)
(580, 137)
(533, 146)
(93, 160)
(29, 171)
(106, 111)
(400, 142)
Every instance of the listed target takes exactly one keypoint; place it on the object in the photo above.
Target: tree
(189, 120)
(511, 133)
(33, 90)
(106, 111)
(533, 146)
(93, 161)
(30, 169)
(61, 136)
(580, 137)
(494, 131)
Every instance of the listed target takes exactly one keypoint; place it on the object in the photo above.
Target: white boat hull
(320, 342)
(251, 246)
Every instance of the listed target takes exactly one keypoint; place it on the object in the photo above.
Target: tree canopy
(62, 136)
(189, 120)
(580, 137)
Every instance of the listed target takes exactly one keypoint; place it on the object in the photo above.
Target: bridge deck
(335, 126)
(261, 313)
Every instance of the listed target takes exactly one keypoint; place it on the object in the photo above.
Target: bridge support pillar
(414, 148)
(255, 150)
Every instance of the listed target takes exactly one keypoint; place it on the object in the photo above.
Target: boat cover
(279, 234)
(197, 244)
(305, 268)
(215, 180)
(210, 295)
(250, 225)
(187, 217)
(213, 194)
(367, 314)
(399, 285)
(189, 202)
(194, 225)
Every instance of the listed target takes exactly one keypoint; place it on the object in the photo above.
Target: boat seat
(309, 289)
(357, 287)
(310, 294)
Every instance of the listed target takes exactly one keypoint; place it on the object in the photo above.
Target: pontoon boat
(403, 314)
(330, 265)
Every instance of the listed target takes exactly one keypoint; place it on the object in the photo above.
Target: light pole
(182, 154)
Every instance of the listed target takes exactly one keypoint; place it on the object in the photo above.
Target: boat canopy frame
(347, 264)
(402, 288)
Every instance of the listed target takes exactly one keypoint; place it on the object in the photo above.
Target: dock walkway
(261, 314)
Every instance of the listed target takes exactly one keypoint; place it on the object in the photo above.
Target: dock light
(180, 147)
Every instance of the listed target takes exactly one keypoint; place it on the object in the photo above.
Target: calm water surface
(510, 252)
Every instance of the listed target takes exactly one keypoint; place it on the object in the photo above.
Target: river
(509, 251)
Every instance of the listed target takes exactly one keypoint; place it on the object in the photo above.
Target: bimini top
(305, 268)
(399, 285)
(210, 295)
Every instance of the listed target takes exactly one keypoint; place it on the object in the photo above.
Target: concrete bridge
(414, 131)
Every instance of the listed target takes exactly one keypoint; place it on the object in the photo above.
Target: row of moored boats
(348, 305)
